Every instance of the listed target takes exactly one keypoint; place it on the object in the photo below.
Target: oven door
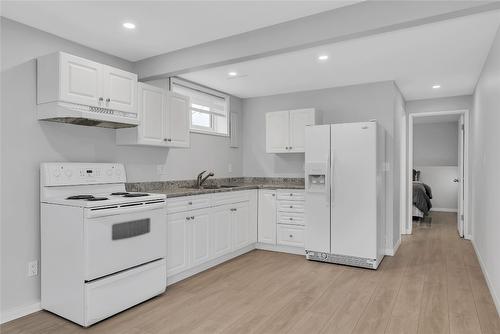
(125, 239)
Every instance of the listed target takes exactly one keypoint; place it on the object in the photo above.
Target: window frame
(205, 90)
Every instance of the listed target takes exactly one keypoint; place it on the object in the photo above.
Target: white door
(177, 243)
(277, 131)
(221, 230)
(353, 190)
(460, 179)
(299, 119)
(240, 223)
(119, 89)
(152, 114)
(266, 225)
(200, 237)
(317, 188)
(177, 120)
(81, 81)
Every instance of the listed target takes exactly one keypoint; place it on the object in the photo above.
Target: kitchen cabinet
(164, 119)
(66, 78)
(199, 230)
(285, 130)
(240, 225)
(267, 217)
(221, 230)
(177, 243)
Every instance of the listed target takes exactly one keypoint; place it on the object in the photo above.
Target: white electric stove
(103, 248)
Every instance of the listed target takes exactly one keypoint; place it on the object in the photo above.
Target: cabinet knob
(190, 203)
(290, 148)
(101, 99)
(188, 218)
(291, 206)
(291, 194)
(192, 217)
(165, 139)
(291, 218)
(108, 100)
(291, 235)
(273, 195)
(169, 139)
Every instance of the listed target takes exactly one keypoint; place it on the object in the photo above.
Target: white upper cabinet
(177, 133)
(164, 119)
(285, 130)
(67, 78)
(120, 89)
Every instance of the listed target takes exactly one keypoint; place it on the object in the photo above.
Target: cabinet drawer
(291, 218)
(230, 197)
(118, 292)
(290, 235)
(291, 206)
(187, 203)
(291, 194)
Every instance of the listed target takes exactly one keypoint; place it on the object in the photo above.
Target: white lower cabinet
(177, 243)
(221, 229)
(266, 229)
(195, 237)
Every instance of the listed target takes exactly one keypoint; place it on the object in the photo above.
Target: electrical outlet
(230, 168)
(33, 268)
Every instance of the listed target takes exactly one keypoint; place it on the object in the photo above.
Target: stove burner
(81, 197)
(120, 193)
(93, 199)
(135, 195)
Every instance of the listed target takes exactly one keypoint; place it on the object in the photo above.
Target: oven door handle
(123, 209)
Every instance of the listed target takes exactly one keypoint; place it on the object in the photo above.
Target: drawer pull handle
(192, 217)
(291, 194)
(291, 235)
(291, 206)
(188, 218)
(291, 218)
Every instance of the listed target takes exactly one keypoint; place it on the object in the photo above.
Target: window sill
(208, 133)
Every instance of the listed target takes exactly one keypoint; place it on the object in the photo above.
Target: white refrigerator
(345, 193)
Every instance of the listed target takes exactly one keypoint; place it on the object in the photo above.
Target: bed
(422, 195)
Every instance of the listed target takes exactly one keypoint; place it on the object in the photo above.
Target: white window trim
(206, 90)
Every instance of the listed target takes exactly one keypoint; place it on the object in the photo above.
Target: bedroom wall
(485, 164)
(435, 155)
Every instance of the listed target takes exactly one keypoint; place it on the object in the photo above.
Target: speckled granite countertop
(186, 187)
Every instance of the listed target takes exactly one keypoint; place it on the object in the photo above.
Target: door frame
(406, 224)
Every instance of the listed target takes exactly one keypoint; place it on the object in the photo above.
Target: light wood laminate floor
(433, 285)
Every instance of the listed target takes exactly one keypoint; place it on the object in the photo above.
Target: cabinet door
(200, 237)
(119, 89)
(266, 226)
(177, 243)
(152, 115)
(81, 81)
(277, 137)
(299, 119)
(177, 120)
(240, 223)
(221, 230)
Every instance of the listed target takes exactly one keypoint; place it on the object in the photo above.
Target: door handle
(456, 180)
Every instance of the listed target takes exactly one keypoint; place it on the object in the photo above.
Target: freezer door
(317, 188)
(353, 195)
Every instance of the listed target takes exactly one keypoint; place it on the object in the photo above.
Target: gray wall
(485, 166)
(435, 144)
(345, 104)
(25, 142)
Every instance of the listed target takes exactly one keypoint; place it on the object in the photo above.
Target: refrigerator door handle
(327, 180)
(331, 185)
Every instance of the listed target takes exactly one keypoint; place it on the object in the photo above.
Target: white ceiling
(451, 53)
(162, 26)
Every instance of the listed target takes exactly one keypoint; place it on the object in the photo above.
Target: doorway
(443, 177)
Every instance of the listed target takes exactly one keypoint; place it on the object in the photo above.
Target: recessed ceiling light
(436, 86)
(129, 25)
(323, 57)
(232, 74)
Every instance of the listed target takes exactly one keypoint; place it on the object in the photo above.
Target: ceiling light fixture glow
(232, 74)
(129, 25)
(323, 57)
(436, 86)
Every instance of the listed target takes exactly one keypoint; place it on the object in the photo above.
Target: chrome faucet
(200, 179)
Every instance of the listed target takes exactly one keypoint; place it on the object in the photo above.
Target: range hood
(64, 112)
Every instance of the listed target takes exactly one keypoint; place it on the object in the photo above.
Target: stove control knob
(68, 172)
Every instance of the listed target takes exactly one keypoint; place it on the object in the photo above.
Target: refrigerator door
(317, 188)
(353, 195)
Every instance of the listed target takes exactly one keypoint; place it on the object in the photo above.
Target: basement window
(209, 108)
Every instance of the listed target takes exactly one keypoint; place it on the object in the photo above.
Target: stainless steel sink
(210, 186)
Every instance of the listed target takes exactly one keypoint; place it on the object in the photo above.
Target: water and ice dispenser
(316, 176)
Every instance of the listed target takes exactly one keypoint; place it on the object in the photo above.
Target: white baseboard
(393, 251)
(207, 265)
(281, 249)
(444, 209)
(19, 312)
(495, 298)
